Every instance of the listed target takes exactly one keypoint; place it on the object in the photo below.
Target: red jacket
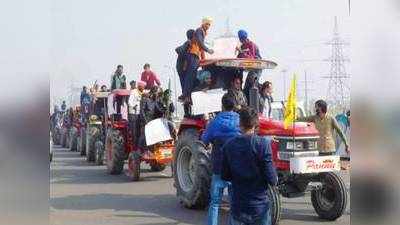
(150, 78)
(250, 50)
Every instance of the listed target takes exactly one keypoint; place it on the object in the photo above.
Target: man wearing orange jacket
(195, 54)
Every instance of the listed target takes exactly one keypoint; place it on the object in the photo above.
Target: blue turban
(242, 34)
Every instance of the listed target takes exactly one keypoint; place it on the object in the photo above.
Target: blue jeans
(265, 220)
(216, 192)
(190, 74)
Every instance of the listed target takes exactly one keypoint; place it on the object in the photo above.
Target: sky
(91, 37)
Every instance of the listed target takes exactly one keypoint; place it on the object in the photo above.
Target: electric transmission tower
(338, 93)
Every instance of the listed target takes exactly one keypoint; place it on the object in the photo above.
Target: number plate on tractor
(318, 164)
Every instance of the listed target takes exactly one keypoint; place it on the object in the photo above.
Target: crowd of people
(241, 160)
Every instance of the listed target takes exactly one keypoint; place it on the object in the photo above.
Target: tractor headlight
(296, 145)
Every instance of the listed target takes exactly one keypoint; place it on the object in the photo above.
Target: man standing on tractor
(149, 77)
(249, 50)
(86, 101)
(235, 93)
(118, 80)
(223, 127)
(195, 54)
(326, 125)
(181, 64)
(134, 108)
(247, 163)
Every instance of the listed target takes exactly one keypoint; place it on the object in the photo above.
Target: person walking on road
(223, 127)
(247, 164)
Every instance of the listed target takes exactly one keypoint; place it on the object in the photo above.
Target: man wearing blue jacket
(247, 163)
(223, 127)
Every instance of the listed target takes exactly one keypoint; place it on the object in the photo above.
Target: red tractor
(295, 154)
(120, 144)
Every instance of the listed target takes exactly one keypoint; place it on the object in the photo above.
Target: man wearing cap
(195, 54)
(222, 128)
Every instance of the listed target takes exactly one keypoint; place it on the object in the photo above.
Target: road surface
(84, 194)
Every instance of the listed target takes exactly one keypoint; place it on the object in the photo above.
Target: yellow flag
(291, 105)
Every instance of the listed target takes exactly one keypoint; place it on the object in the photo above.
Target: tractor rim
(326, 196)
(185, 169)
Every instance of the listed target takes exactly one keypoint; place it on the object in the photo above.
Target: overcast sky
(91, 37)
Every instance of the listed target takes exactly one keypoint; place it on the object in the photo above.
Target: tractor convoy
(105, 135)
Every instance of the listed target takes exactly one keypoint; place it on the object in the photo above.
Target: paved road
(84, 194)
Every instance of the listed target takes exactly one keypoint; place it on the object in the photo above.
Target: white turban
(207, 19)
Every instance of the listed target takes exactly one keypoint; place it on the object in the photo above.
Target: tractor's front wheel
(275, 204)
(115, 152)
(73, 139)
(192, 171)
(82, 141)
(330, 201)
(92, 135)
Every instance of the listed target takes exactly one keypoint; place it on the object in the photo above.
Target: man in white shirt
(134, 107)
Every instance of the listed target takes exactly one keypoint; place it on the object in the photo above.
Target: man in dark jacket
(181, 63)
(118, 80)
(195, 54)
(247, 163)
(236, 94)
(86, 101)
(224, 126)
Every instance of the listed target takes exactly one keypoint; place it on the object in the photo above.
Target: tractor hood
(275, 128)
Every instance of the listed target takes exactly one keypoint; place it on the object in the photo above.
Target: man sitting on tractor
(236, 94)
(134, 108)
(204, 77)
(86, 101)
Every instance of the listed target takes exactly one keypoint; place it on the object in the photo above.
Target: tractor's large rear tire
(92, 135)
(82, 141)
(73, 139)
(330, 201)
(192, 171)
(115, 152)
(99, 146)
(275, 204)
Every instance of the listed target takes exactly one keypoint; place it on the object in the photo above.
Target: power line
(338, 93)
